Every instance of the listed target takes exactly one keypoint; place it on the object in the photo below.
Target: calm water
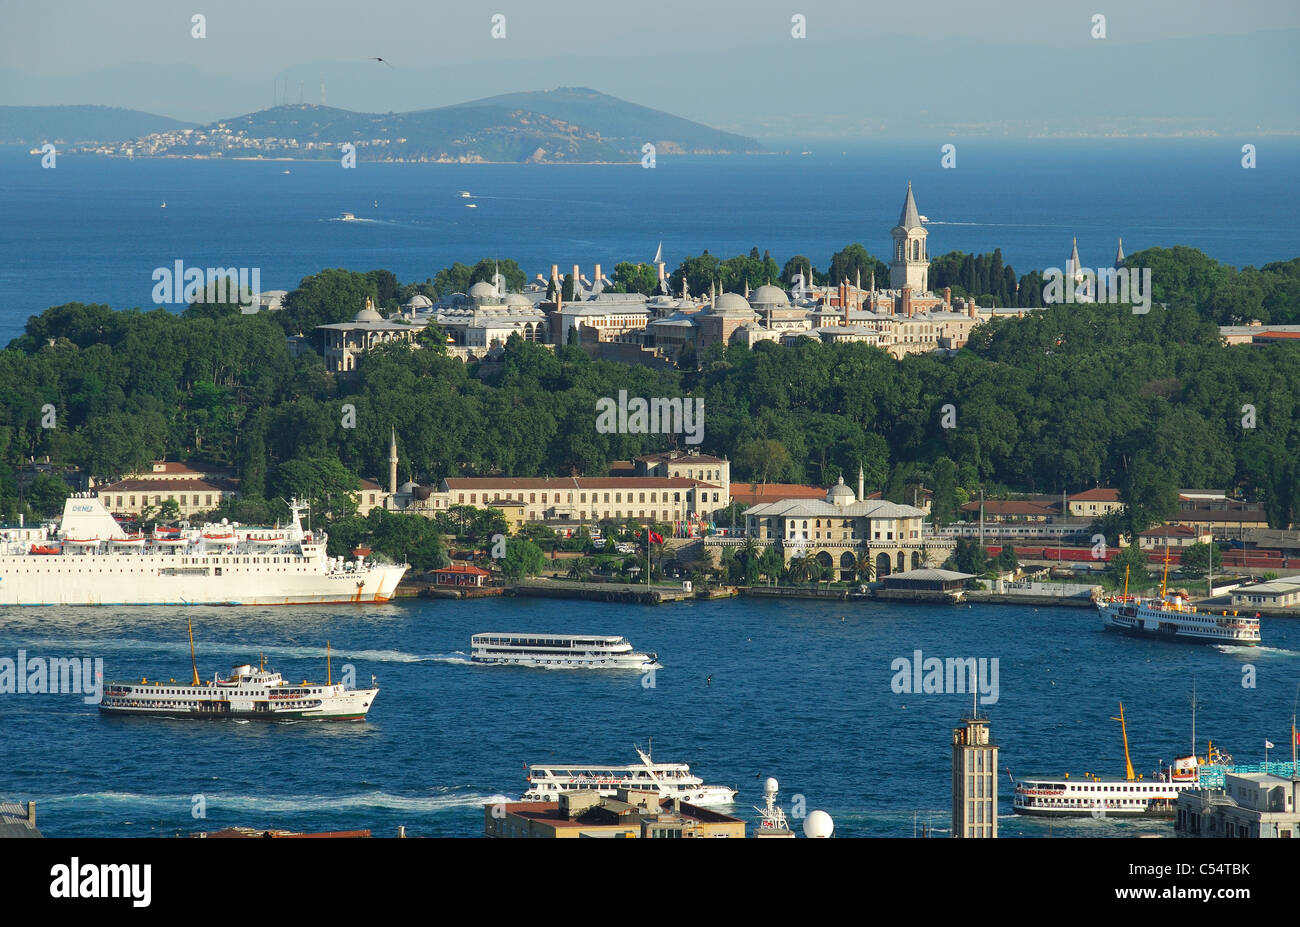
(93, 229)
(800, 691)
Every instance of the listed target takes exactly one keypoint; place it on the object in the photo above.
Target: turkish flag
(656, 538)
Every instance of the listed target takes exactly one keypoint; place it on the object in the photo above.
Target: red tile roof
(1101, 494)
(573, 482)
(464, 568)
(755, 494)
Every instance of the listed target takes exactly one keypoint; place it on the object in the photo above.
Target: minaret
(1072, 270)
(1119, 253)
(860, 485)
(911, 264)
(974, 779)
(392, 464)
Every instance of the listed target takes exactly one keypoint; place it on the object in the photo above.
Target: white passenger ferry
(89, 560)
(560, 651)
(248, 694)
(1094, 796)
(1173, 617)
(671, 780)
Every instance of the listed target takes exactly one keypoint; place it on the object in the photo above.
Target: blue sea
(799, 690)
(94, 229)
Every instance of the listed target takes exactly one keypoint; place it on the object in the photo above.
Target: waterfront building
(617, 317)
(1094, 503)
(1278, 593)
(586, 813)
(838, 530)
(690, 465)
(582, 500)
(1254, 805)
(1172, 536)
(193, 490)
(974, 779)
(461, 574)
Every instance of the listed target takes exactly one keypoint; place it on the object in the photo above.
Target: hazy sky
(862, 68)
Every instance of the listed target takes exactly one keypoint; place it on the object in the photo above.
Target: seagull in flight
(382, 61)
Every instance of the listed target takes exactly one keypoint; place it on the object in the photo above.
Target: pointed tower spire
(1119, 253)
(909, 218)
(1074, 257)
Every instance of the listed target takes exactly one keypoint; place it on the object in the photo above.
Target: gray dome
(368, 314)
(769, 295)
(730, 303)
(481, 289)
(839, 494)
(417, 302)
(518, 299)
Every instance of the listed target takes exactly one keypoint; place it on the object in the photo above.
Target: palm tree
(580, 569)
(804, 569)
(865, 566)
(928, 556)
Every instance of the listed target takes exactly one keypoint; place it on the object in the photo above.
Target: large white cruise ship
(90, 560)
(671, 780)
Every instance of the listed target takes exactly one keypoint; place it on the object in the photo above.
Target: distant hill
(627, 126)
(70, 125)
(568, 125)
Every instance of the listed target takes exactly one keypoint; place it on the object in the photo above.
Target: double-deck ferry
(1094, 796)
(89, 560)
(671, 780)
(1173, 617)
(248, 694)
(560, 651)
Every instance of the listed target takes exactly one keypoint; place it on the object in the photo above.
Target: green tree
(523, 558)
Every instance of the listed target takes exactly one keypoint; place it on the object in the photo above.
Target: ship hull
(144, 580)
(349, 705)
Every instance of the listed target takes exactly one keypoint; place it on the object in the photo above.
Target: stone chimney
(907, 301)
(971, 308)
(576, 281)
(947, 299)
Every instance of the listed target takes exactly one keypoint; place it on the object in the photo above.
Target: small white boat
(471, 206)
(465, 194)
(347, 217)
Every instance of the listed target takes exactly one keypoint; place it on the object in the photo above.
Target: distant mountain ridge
(568, 125)
(70, 125)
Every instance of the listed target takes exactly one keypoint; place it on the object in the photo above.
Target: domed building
(342, 343)
(717, 323)
(840, 530)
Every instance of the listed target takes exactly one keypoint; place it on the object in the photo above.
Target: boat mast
(194, 664)
(1126, 569)
(1129, 775)
(1165, 576)
(329, 672)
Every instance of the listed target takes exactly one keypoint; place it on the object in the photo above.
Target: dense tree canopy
(1062, 400)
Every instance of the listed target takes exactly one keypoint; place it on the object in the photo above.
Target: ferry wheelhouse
(560, 651)
(671, 780)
